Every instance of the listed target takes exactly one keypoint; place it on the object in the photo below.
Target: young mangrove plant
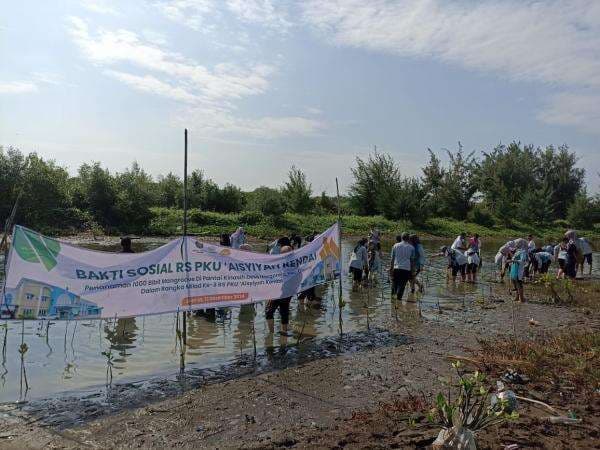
(469, 412)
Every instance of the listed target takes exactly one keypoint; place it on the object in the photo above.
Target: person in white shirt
(359, 260)
(531, 243)
(402, 264)
(587, 251)
(504, 254)
(460, 243)
(472, 265)
(238, 238)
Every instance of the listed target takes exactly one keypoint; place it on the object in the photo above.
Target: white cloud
(215, 123)
(190, 13)
(99, 6)
(314, 111)
(201, 15)
(17, 87)
(556, 42)
(153, 85)
(211, 92)
(574, 109)
(553, 41)
(272, 14)
(225, 81)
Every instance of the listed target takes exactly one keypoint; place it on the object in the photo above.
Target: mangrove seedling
(470, 411)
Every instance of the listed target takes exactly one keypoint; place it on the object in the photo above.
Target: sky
(263, 85)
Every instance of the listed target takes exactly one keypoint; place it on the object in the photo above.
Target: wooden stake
(340, 300)
(185, 218)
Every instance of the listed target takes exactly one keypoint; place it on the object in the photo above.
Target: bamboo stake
(340, 300)
(185, 218)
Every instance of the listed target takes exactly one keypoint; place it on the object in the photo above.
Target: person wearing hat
(402, 264)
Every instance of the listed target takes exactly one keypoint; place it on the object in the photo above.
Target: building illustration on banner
(37, 300)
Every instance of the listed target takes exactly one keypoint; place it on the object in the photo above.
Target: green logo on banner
(35, 248)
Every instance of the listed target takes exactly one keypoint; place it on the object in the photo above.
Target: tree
(267, 201)
(45, 194)
(95, 191)
(230, 199)
(506, 173)
(458, 184)
(404, 200)
(297, 192)
(134, 198)
(535, 207)
(433, 174)
(371, 178)
(325, 203)
(170, 191)
(584, 212)
(559, 174)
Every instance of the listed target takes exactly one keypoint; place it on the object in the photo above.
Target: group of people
(283, 244)
(464, 257)
(523, 259)
(407, 261)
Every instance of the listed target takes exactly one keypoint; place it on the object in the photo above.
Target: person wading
(402, 264)
(283, 304)
(126, 245)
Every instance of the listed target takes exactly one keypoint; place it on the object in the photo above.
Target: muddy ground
(340, 396)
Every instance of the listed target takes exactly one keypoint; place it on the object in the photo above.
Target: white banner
(48, 278)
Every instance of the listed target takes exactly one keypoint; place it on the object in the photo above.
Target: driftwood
(562, 419)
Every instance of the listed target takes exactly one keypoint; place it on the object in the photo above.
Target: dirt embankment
(368, 398)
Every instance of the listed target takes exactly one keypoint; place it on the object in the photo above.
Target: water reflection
(68, 355)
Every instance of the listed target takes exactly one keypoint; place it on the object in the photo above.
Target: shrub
(250, 218)
(481, 216)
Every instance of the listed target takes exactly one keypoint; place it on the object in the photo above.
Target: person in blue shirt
(519, 261)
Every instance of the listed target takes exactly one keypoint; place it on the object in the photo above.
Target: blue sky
(264, 84)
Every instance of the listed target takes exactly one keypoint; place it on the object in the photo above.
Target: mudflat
(371, 390)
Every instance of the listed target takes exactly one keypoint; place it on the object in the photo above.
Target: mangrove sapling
(179, 341)
(254, 330)
(109, 358)
(470, 412)
(22, 350)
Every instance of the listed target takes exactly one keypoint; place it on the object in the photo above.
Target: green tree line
(510, 183)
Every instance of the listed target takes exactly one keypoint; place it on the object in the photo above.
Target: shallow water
(67, 356)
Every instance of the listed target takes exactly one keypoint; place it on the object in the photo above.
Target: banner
(48, 278)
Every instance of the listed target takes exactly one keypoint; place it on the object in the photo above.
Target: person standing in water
(402, 264)
(283, 304)
(126, 245)
(587, 250)
(359, 261)
(460, 243)
(238, 238)
(517, 269)
(419, 262)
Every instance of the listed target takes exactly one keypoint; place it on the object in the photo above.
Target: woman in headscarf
(519, 261)
(238, 238)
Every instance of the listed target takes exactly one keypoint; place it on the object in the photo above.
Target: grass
(167, 222)
(565, 358)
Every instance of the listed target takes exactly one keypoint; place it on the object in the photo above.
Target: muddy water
(67, 356)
